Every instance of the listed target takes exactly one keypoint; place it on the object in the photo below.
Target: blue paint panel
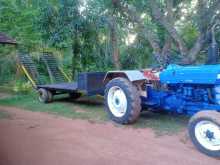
(204, 74)
(172, 101)
(188, 90)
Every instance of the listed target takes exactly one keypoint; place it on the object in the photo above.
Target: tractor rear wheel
(204, 131)
(122, 101)
(45, 96)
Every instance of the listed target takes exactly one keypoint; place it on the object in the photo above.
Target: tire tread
(213, 116)
(134, 98)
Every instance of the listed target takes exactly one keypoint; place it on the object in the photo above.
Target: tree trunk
(166, 51)
(167, 24)
(76, 54)
(114, 43)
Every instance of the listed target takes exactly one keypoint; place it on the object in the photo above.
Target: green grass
(92, 109)
(6, 89)
(162, 123)
(83, 109)
(4, 115)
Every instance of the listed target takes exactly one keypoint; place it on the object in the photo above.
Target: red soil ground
(33, 138)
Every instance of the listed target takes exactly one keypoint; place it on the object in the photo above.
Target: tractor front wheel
(122, 101)
(204, 131)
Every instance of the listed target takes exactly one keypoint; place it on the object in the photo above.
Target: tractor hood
(203, 74)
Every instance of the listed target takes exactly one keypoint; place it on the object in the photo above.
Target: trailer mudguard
(131, 75)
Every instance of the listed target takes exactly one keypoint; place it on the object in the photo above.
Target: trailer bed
(70, 87)
(89, 83)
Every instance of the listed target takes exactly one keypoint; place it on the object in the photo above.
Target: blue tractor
(190, 90)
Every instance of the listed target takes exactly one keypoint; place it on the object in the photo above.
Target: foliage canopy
(99, 35)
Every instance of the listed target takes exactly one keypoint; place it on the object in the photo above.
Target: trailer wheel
(122, 101)
(204, 131)
(75, 95)
(45, 96)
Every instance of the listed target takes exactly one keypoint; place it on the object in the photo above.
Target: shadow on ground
(92, 109)
(162, 122)
(89, 101)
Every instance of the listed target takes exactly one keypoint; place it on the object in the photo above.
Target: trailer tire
(122, 101)
(75, 95)
(204, 131)
(45, 96)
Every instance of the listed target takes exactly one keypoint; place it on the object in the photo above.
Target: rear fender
(136, 77)
(132, 76)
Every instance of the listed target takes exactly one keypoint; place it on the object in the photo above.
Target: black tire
(75, 95)
(45, 96)
(133, 101)
(211, 116)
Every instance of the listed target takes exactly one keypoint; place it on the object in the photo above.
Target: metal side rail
(30, 70)
(57, 75)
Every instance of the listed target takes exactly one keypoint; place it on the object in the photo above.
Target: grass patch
(4, 115)
(162, 123)
(82, 109)
(6, 89)
(92, 109)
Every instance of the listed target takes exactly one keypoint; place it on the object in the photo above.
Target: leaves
(80, 31)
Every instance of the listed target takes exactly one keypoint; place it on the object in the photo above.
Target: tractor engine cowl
(217, 94)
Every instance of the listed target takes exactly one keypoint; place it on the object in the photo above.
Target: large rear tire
(204, 131)
(122, 101)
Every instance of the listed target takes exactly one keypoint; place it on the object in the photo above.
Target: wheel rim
(117, 101)
(208, 135)
(41, 96)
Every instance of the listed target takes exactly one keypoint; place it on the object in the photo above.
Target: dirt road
(33, 138)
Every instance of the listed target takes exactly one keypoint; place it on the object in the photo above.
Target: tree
(162, 13)
(61, 28)
(18, 20)
(101, 35)
(105, 16)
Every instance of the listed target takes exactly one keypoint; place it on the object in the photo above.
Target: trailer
(88, 83)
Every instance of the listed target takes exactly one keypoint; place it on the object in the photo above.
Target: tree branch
(134, 17)
(159, 17)
(166, 50)
(204, 27)
(114, 42)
